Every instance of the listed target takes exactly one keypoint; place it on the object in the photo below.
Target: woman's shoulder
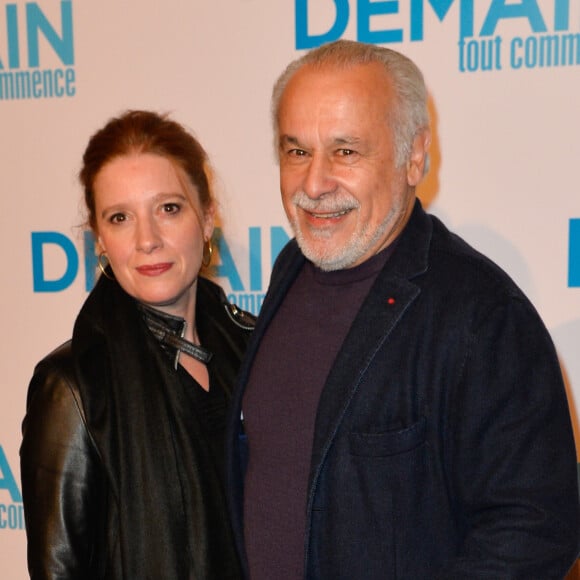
(214, 293)
(53, 384)
(58, 362)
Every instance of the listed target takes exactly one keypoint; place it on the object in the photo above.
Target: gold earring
(103, 268)
(207, 253)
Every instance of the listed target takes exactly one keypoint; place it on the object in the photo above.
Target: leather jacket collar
(169, 331)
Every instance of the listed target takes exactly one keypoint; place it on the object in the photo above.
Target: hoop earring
(207, 253)
(103, 268)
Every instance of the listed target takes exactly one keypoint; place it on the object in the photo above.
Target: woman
(121, 459)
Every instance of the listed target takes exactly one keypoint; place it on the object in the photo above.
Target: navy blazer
(443, 445)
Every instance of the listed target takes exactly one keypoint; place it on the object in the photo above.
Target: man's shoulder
(459, 262)
(289, 259)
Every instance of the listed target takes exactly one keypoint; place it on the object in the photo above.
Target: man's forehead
(366, 83)
(342, 73)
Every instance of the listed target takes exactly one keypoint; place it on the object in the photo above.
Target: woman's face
(152, 228)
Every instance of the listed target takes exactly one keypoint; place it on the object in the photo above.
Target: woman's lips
(154, 269)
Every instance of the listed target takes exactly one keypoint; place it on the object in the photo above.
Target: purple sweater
(280, 403)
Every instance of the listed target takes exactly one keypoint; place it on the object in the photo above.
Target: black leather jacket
(72, 503)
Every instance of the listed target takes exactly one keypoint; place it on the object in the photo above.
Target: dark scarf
(172, 519)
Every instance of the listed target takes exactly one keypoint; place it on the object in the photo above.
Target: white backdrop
(504, 78)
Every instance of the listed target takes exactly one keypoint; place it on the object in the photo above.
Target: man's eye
(346, 152)
(297, 152)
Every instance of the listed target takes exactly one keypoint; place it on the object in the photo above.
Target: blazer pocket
(389, 442)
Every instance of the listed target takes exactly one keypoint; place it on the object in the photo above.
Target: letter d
(40, 283)
(304, 40)
(574, 254)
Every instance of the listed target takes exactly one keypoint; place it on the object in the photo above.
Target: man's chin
(325, 259)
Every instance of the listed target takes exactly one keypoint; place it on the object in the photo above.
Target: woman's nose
(148, 236)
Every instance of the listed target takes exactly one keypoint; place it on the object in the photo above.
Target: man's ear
(418, 160)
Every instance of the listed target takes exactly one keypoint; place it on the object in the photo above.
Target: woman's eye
(117, 218)
(171, 207)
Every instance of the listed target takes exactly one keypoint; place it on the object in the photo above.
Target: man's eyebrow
(342, 140)
(289, 140)
(347, 140)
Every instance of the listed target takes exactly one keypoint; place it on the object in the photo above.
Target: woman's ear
(209, 221)
(99, 246)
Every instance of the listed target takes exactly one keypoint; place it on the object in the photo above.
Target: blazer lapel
(379, 315)
(390, 296)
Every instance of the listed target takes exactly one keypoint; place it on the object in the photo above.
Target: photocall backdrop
(504, 80)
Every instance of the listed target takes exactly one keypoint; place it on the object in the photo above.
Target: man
(404, 411)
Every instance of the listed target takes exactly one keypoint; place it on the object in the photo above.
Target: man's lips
(154, 269)
(329, 215)
(320, 218)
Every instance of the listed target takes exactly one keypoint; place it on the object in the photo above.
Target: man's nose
(318, 179)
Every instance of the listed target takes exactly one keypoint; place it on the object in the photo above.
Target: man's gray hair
(410, 114)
